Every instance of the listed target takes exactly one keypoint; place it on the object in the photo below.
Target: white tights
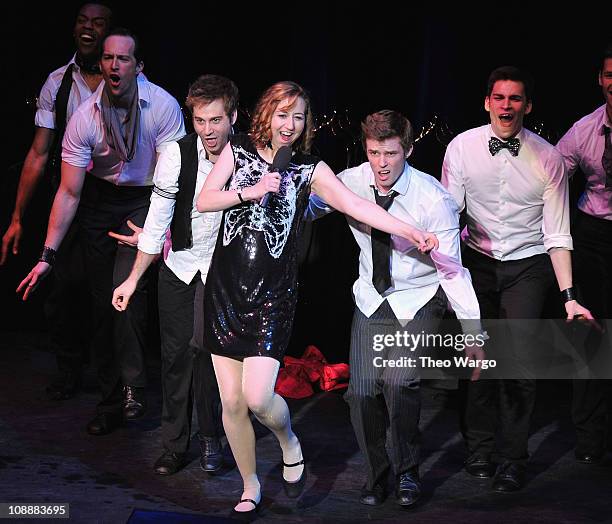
(249, 385)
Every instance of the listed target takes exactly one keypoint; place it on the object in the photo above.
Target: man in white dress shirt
(180, 173)
(587, 147)
(63, 91)
(512, 184)
(108, 159)
(399, 290)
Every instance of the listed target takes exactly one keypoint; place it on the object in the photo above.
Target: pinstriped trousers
(387, 399)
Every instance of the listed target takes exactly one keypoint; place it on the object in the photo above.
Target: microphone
(279, 164)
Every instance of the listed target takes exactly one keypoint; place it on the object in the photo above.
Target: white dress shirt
(204, 226)
(517, 206)
(583, 147)
(85, 145)
(45, 105)
(424, 203)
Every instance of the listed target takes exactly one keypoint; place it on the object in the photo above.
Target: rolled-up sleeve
(45, 105)
(556, 214)
(163, 199)
(79, 140)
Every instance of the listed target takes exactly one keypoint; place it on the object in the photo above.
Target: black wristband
(48, 255)
(239, 192)
(568, 294)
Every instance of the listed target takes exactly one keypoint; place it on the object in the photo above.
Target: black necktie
(381, 248)
(606, 159)
(496, 145)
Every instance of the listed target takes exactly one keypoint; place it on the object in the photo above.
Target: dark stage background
(432, 67)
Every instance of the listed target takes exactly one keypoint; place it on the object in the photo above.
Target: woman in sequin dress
(251, 291)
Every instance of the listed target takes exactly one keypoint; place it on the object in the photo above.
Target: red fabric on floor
(297, 377)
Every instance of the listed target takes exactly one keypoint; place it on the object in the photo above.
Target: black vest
(61, 112)
(180, 228)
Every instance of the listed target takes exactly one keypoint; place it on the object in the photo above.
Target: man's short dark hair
(211, 87)
(122, 31)
(606, 55)
(387, 124)
(108, 13)
(511, 73)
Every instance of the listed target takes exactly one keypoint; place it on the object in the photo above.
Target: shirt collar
(75, 66)
(401, 184)
(143, 89)
(604, 120)
(521, 135)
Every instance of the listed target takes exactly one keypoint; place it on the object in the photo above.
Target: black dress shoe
(510, 477)
(169, 463)
(479, 466)
(294, 489)
(134, 405)
(589, 458)
(104, 423)
(211, 456)
(372, 497)
(408, 490)
(63, 388)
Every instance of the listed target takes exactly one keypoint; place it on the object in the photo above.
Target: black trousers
(387, 398)
(593, 275)
(187, 370)
(502, 408)
(118, 339)
(68, 307)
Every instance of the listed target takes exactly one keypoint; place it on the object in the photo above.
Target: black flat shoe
(246, 516)
(294, 489)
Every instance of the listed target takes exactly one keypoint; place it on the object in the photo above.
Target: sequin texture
(251, 288)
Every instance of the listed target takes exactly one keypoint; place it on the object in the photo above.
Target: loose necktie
(606, 159)
(381, 248)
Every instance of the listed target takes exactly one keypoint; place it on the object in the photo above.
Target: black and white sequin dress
(251, 288)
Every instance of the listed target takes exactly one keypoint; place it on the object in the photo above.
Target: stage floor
(47, 456)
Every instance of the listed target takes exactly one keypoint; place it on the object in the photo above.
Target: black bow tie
(496, 145)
